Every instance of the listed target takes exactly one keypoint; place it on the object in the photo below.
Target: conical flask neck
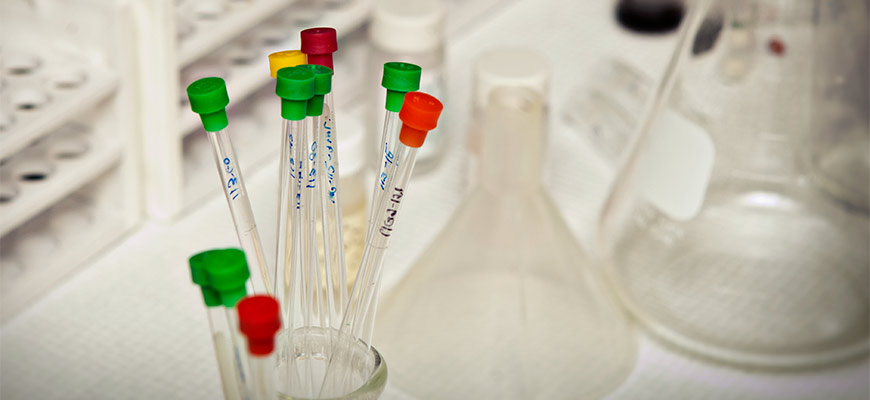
(512, 151)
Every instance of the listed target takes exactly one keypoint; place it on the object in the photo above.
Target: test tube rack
(192, 40)
(68, 160)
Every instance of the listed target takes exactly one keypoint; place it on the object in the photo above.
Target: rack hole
(273, 36)
(68, 147)
(33, 176)
(21, 64)
(69, 79)
(8, 192)
(242, 56)
(29, 99)
(33, 170)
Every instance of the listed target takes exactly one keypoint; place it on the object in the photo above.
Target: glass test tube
(262, 386)
(238, 343)
(287, 188)
(308, 207)
(389, 136)
(331, 215)
(227, 273)
(240, 208)
(220, 328)
(259, 318)
(287, 192)
(209, 98)
(295, 86)
(354, 323)
(319, 44)
(419, 115)
(398, 78)
(221, 336)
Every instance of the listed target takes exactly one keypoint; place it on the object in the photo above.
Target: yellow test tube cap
(285, 59)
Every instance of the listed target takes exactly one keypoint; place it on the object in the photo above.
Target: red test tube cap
(419, 115)
(259, 321)
(319, 44)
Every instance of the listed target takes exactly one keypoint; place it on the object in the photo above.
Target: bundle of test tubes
(323, 347)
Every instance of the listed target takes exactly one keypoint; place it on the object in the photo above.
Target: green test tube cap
(295, 86)
(227, 272)
(197, 262)
(400, 78)
(322, 86)
(208, 98)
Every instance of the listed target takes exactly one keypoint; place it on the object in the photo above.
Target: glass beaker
(504, 304)
(738, 226)
(301, 363)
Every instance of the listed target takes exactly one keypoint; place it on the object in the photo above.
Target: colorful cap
(319, 44)
(209, 98)
(419, 115)
(322, 86)
(259, 321)
(399, 78)
(295, 86)
(284, 59)
(227, 271)
(197, 262)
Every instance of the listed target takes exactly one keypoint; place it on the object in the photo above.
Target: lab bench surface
(132, 326)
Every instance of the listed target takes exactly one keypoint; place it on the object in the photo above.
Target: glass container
(369, 370)
(738, 226)
(504, 304)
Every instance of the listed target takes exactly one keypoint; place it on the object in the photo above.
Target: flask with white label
(738, 227)
(505, 304)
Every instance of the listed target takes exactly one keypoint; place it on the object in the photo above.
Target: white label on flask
(676, 164)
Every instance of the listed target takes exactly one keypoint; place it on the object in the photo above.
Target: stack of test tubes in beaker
(306, 335)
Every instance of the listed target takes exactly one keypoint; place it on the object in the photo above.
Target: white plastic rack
(68, 161)
(229, 39)
(37, 84)
(51, 170)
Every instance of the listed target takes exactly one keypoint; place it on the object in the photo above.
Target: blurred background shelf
(68, 160)
(66, 174)
(53, 92)
(213, 24)
(246, 75)
(54, 245)
(237, 53)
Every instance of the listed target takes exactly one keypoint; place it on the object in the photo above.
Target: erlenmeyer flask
(504, 304)
(738, 227)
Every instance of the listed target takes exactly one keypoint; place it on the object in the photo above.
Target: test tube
(290, 131)
(314, 312)
(319, 44)
(326, 188)
(220, 329)
(398, 78)
(295, 86)
(419, 115)
(226, 271)
(209, 98)
(259, 321)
